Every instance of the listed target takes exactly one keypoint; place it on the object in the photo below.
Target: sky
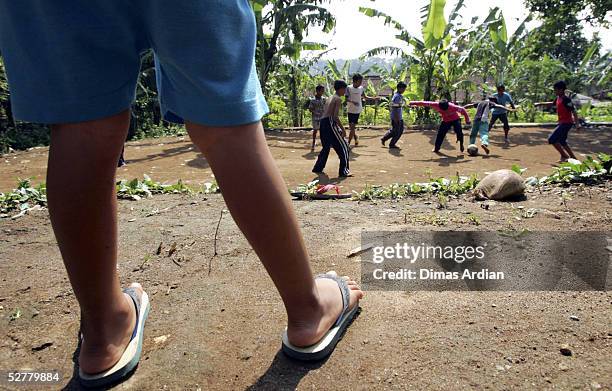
(356, 33)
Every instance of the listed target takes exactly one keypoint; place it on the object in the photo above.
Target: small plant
(474, 219)
(15, 315)
(565, 198)
(442, 201)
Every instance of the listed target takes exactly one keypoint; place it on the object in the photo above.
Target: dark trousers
(504, 119)
(444, 128)
(331, 137)
(394, 133)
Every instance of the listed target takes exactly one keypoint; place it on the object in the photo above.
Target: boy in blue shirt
(75, 65)
(397, 122)
(503, 99)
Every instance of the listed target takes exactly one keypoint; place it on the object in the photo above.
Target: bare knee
(210, 137)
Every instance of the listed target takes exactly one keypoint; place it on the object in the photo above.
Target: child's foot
(461, 148)
(317, 172)
(486, 149)
(435, 150)
(102, 350)
(310, 330)
(393, 147)
(382, 141)
(506, 140)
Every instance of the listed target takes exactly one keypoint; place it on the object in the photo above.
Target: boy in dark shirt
(397, 121)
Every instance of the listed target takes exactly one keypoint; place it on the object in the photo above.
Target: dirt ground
(169, 159)
(216, 322)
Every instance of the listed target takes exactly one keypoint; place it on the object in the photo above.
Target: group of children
(325, 118)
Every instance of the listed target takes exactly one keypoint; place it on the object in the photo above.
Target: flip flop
(327, 344)
(129, 360)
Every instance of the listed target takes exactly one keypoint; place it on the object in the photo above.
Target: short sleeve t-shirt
(565, 108)
(483, 110)
(397, 111)
(317, 106)
(354, 94)
(504, 99)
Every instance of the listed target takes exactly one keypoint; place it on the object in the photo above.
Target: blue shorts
(73, 61)
(559, 135)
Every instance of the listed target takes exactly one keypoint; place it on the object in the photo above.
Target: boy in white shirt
(354, 95)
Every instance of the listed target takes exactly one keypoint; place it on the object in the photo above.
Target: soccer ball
(472, 150)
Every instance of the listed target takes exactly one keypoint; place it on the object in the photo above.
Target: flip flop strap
(136, 299)
(344, 291)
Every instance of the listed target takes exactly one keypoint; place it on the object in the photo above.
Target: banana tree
(282, 24)
(504, 46)
(426, 53)
(294, 74)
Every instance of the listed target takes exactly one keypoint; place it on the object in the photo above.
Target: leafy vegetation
(26, 196)
(590, 171)
(23, 197)
(440, 186)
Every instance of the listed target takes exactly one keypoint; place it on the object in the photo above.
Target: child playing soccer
(316, 107)
(397, 122)
(568, 117)
(354, 96)
(82, 80)
(501, 113)
(331, 133)
(481, 121)
(450, 119)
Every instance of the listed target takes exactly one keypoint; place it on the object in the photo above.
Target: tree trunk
(294, 99)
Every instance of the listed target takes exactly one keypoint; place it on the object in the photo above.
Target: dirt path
(220, 330)
(169, 159)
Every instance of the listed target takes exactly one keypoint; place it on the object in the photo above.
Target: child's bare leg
(265, 215)
(561, 150)
(314, 139)
(83, 209)
(352, 134)
(569, 151)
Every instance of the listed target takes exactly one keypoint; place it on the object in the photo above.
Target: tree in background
(281, 27)
(561, 35)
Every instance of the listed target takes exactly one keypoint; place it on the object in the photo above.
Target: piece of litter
(161, 339)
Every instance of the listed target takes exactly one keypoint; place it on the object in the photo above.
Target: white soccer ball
(472, 150)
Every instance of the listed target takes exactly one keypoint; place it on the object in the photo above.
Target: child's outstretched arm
(422, 103)
(504, 107)
(547, 104)
(470, 106)
(465, 115)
